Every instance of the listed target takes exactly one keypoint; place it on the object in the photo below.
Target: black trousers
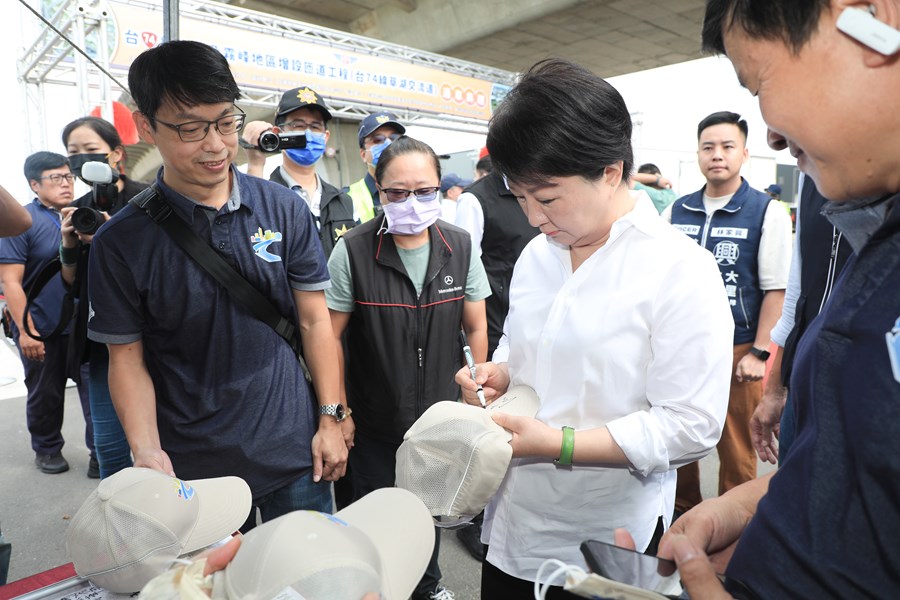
(46, 383)
(373, 465)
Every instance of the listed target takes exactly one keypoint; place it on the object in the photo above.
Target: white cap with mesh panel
(454, 457)
(138, 521)
(380, 543)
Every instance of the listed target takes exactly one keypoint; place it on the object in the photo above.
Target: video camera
(269, 141)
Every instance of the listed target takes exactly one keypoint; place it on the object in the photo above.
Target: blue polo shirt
(231, 398)
(34, 249)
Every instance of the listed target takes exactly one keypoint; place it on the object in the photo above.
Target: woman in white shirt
(618, 321)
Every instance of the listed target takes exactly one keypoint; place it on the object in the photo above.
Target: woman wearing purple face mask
(402, 286)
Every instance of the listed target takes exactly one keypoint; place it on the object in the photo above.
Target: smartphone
(633, 568)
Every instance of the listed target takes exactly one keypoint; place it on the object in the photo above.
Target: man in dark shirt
(826, 524)
(22, 258)
(204, 388)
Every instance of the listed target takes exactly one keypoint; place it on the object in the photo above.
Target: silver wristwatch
(335, 410)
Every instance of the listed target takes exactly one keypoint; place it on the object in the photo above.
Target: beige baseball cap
(138, 521)
(380, 543)
(454, 457)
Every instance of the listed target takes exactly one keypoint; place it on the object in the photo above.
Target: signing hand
(492, 376)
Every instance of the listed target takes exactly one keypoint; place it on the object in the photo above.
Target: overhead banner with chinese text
(270, 61)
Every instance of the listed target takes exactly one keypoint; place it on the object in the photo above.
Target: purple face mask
(411, 217)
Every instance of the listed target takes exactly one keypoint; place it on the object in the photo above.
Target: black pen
(470, 361)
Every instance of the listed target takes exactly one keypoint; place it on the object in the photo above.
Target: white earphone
(863, 27)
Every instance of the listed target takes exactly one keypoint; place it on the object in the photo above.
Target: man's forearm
(321, 354)
(769, 313)
(319, 345)
(133, 396)
(15, 301)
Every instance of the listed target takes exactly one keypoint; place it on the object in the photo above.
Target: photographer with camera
(97, 156)
(301, 133)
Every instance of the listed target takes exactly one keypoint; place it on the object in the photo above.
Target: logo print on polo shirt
(893, 344)
(184, 491)
(261, 242)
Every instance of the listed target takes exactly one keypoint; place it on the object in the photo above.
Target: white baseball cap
(454, 457)
(138, 521)
(380, 543)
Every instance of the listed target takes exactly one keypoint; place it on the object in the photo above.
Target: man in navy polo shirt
(826, 523)
(203, 388)
(22, 258)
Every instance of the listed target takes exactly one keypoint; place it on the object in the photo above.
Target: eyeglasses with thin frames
(427, 194)
(57, 178)
(301, 125)
(195, 131)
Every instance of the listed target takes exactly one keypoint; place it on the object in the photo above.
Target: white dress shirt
(638, 339)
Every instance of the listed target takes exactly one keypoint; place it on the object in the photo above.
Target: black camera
(87, 220)
(269, 141)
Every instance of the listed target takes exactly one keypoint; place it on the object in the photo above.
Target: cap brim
(225, 503)
(398, 126)
(402, 531)
(519, 400)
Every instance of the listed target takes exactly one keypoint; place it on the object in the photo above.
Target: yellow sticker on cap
(308, 96)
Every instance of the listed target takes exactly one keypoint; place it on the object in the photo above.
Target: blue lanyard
(56, 218)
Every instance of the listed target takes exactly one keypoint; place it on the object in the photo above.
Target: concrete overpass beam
(436, 25)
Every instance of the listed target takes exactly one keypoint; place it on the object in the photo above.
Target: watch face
(339, 412)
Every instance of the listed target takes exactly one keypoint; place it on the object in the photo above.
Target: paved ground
(35, 508)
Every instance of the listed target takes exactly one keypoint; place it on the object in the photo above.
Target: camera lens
(86, 220)
(268, 141)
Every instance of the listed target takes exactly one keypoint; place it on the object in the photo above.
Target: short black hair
(717, 118)
(405, 145)
(650, 169)
(791, 21)
(484, 164)
(37, 163)
(560, 120)
(183, 72)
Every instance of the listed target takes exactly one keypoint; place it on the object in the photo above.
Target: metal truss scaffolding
(52, 60)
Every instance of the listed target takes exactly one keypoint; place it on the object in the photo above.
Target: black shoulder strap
(66, 310)
(154, 204)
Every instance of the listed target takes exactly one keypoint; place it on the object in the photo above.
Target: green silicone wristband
(567, 449)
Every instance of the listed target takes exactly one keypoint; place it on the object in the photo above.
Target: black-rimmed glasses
(426, 194)
(195, 131)
(57, 178)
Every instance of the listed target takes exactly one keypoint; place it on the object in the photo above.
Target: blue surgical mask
(377, 150)
(315, 147)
